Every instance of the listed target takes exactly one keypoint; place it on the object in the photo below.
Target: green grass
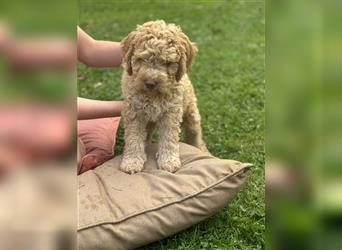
(228, 75)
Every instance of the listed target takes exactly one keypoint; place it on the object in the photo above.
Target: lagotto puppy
(158, 93)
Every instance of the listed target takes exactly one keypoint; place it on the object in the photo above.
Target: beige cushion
(121, 211)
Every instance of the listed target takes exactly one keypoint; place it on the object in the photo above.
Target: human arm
(97, 53)
(92, 109)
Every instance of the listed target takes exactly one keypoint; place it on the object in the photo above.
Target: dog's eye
(140, 60)
(171, 65)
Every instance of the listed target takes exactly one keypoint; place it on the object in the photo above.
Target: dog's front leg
(168, 151)
(134, 155)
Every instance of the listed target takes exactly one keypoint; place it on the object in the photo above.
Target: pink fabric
(32, 133)
(96, 141)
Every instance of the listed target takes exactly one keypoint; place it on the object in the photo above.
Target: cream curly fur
(158, 93)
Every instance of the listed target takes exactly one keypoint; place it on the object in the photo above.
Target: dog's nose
(150, 84)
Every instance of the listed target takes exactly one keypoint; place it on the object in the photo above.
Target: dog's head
(157, 55)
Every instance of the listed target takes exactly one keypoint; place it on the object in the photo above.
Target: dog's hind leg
(192, 127)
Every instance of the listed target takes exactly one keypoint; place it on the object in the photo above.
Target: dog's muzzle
(150, 84)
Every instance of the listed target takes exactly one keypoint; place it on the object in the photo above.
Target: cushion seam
(213, 185)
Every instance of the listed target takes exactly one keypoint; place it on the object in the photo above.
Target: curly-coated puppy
(158, 93)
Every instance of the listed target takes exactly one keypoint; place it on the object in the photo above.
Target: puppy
(158, 94)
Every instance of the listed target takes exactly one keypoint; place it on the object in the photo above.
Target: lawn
(228, 75)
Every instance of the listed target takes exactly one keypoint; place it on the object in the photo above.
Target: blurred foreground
(37, 152)
(304, 121)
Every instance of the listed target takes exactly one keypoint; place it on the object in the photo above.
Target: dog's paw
(170, 164)
(131, 166)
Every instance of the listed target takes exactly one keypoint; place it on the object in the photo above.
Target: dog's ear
(188, 53)
(127, 45)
